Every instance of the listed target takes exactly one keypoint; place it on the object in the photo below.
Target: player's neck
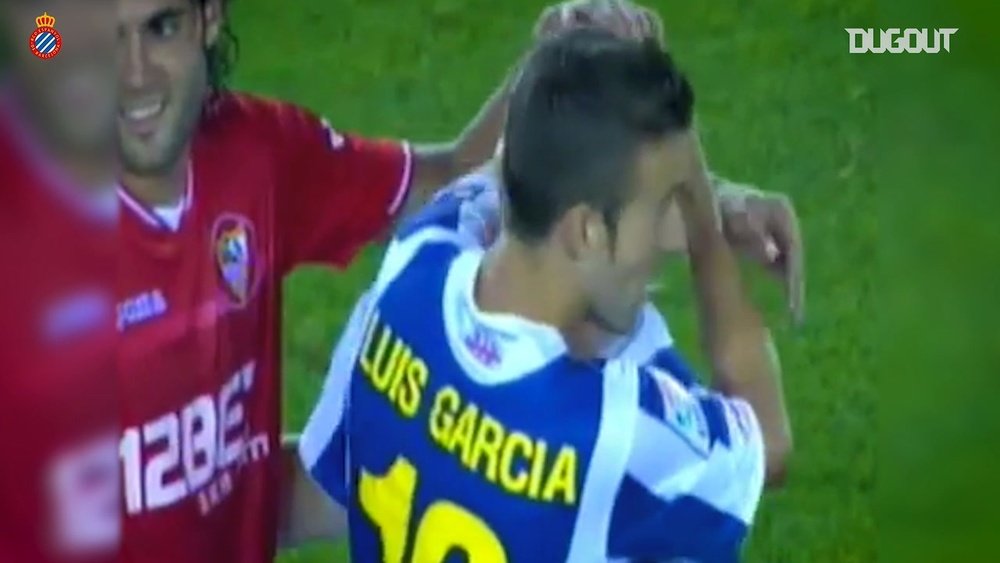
(158, 189)
(517, 280)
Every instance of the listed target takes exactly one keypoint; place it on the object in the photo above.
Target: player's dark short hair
(584, 104)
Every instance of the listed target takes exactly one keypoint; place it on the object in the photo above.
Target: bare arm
(307, 514)
(435, 165)
(728, 195)
(738, 344)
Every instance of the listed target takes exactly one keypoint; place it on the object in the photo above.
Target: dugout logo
(896, 40)
(236, 258)
(45, 42)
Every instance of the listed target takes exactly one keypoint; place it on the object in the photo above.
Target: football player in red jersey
(223, 194)
(59, 493)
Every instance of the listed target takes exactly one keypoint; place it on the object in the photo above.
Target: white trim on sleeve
(405, 181)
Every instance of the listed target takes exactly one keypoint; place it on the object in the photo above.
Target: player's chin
(623, 324)
(142, 159)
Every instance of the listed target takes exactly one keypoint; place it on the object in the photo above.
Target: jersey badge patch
(236, 259)
(683, 412)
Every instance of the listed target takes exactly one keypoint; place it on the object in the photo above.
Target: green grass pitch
(781, 103)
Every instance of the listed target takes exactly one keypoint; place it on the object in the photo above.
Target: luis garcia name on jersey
(510, 459)
(443, 436)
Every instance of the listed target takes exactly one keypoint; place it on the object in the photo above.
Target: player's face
(163, 78)
(72, 95)
(617, 283)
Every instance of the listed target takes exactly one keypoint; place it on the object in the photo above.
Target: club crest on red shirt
(236, 260)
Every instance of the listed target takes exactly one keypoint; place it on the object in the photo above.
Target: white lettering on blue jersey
(682, 480)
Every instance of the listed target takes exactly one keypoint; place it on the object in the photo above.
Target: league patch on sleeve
(741, 420)
(682, 411)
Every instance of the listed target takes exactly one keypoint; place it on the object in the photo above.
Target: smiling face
(163, 78)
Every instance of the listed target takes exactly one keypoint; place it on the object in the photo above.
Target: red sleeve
(336, 192)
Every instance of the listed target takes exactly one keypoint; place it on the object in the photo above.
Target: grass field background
(781, 104)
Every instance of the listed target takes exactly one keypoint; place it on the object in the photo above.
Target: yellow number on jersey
(387, 500)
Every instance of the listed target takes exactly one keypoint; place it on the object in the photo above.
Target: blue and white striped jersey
(455, 434)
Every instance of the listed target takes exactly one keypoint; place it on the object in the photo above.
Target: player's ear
(213, 17)
(583, 233)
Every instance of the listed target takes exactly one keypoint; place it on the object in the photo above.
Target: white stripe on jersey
(400, 252)
(328, 413)
(608, 463)
(729, 478)
(405, 182)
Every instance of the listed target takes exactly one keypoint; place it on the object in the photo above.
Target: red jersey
(58, 480)
(270, 187)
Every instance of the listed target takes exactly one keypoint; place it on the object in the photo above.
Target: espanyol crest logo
(45, 42)
(236, 259)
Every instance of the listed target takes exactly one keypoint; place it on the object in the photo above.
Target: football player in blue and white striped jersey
(468, 413)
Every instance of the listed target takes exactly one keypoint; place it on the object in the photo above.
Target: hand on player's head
(650, 25)
(623, 18)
